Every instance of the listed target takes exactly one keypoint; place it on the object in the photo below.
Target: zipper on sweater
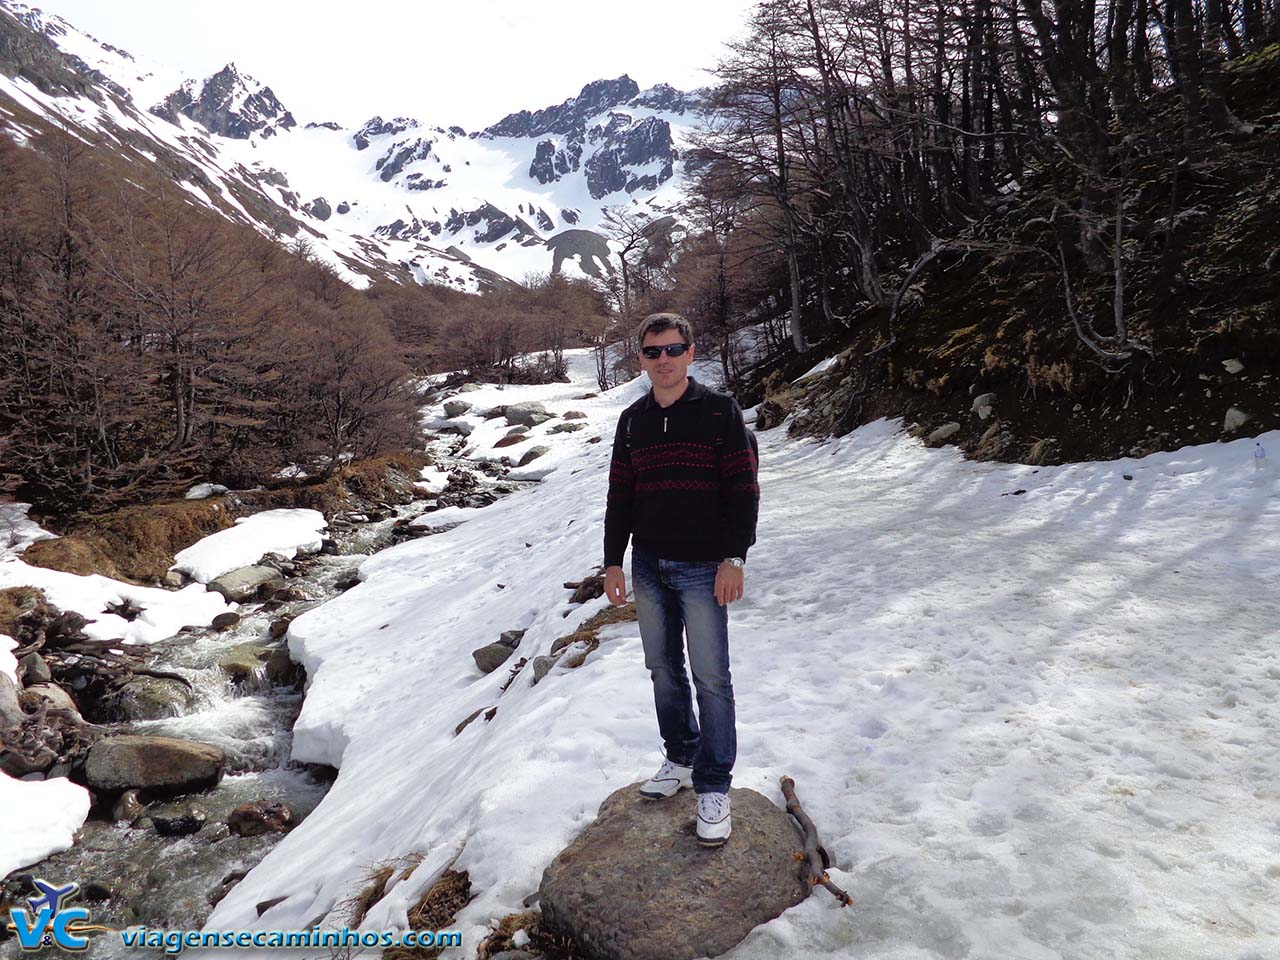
(664, 424)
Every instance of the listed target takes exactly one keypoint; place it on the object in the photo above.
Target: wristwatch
(735, 562)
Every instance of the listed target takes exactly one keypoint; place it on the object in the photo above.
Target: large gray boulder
(491, 656)
(529, 414)
(161, 764)
(241, 585)
(636, 885)
(455, 408)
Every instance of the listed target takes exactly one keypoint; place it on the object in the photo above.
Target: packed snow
(49, 811)
(287, 532)
(1031, 710)
(8, 663)
(17, 530)
(164, 612)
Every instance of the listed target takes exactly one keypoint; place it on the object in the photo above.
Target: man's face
(665, 372)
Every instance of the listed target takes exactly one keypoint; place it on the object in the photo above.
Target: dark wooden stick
(814, 856)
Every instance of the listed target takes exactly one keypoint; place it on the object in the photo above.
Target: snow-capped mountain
(397, 197)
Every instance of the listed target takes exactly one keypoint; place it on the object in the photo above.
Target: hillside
(400, 198)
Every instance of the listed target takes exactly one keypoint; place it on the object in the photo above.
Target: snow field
(1038, 725)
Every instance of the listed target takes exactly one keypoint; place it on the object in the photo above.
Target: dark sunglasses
(671, 350)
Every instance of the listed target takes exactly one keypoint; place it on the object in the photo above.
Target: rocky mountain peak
(229, 103)
(569, 116)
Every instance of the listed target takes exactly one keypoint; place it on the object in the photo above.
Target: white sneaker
(713, 819)
(667, 782)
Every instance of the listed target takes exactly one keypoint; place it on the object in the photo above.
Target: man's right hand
(615, 585)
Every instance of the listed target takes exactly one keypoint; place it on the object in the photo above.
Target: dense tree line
(148, 342)
(856, 147)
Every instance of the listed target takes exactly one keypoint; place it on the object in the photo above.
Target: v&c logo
(48, 922)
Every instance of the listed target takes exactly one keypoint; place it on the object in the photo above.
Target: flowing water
(131, 874)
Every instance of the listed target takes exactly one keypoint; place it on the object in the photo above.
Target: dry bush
(136, 543)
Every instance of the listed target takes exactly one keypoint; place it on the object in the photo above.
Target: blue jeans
(674, 597)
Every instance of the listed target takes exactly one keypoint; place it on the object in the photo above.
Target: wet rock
(943, 433)
(281, 671)
(267, 591)
(33, 669)
(636, 885)
(456, 408)
(179, 822)
(329, 547)
(279, 627)
(527, 413)
(215, 831)
(491, 656)
(346, 583)
(163, 764)
(241, 585)
(95, 892)
(510, 441)
(225, 621)
(532, 455)
(128, 808)
(260, 817)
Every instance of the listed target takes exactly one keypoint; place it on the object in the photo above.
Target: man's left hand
(729, 580)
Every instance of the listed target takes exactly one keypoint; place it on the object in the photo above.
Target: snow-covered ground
(51, 812)
(286, 532)
(1032, 710)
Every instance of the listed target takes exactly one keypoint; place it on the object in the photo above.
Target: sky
(468, 64)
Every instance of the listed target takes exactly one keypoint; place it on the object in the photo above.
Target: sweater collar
(695, 391)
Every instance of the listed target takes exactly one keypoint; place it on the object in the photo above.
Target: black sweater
(682, 482)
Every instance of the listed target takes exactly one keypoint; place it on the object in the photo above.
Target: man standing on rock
(682, 487)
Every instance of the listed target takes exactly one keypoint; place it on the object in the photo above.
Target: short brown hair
(657, 322)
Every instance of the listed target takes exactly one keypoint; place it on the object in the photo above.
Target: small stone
(58, 698)
(225, 621)
(173, 580)
(943, 433)
(510, 441)
(1232, 366)
(279, 627)
(1234, 420)
(183, 823)
(511, 638)
(128, 808)
(32, 669)
(575, 415)
(517, 431)
(542, 666)
(531, 455)
(260, 817)
(456, 408)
